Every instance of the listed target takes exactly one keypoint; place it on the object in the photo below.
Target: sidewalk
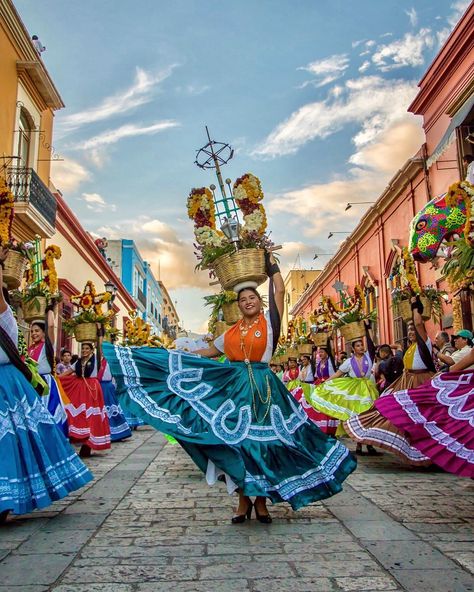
(149, 523)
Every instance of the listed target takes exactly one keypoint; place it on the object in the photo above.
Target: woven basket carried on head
(221, 327)
(305, 349)
(244, 265)
(85, 332)
(231, 312)
(292, 352)
(34, 308)
(352, 331)
(15, 265)
(320, 339)
(403, 309)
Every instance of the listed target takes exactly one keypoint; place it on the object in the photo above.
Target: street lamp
(331, 234)
(316, 255)
(230, 227)
(354, 203)
(111, 289)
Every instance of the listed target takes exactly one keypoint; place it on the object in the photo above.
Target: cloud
(97, 203)
(139, 93)
(370, 101)
(126, 131)
(193, 89)
(68, 174)
(365, 66)
(373, 166)
(458, 9)
(161, 246)
(408, 51)
(413, 16)
(326, 70)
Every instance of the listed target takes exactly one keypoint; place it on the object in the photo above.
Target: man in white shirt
(463, 344)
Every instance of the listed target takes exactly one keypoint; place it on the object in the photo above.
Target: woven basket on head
(231, 312)
(242, 266)
(305, 349)
(292, 352)
(85, 332)
(221, 327)
(403, 309)
(34, 308)
(352, 331)
(320, 339)
(15, 265)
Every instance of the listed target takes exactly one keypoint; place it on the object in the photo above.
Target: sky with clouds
(312, 94)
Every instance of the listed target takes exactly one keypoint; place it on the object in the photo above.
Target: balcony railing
(29, 189)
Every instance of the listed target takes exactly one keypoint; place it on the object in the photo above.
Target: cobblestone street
(149, 523)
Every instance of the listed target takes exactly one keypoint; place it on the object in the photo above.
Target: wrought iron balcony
(32, 194)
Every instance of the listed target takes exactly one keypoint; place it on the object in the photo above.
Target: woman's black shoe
(4, 516)
(263, 518)
(239, 518)
(372, 452)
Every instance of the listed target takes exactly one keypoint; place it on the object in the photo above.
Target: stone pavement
(149, 523)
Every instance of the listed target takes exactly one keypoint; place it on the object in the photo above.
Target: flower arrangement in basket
(89, 304)
(431, 298)
(138, 332)
(19, 252)
(320, 327)
(236, 253)
(42, 287)
(350, 317)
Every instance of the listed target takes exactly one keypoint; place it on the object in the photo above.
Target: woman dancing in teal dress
(237, 421)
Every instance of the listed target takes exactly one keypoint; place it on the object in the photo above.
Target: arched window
(25, 128)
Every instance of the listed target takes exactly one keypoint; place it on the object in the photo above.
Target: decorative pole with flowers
(233, 253)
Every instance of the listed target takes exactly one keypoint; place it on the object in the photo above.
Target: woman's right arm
(337, 374)
(208, 352)
(464, 362)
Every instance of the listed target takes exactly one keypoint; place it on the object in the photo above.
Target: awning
(450, 134)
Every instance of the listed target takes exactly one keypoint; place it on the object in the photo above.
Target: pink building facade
(370, 254)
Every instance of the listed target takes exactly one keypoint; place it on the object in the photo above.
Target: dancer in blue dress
(37, 464)
(119, 428)
(237, 420)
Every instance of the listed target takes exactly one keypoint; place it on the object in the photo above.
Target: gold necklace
(244, 329)
(264, 400)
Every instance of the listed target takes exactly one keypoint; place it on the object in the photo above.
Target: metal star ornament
(90, 299)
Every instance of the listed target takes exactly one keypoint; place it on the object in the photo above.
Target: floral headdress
(248, 193)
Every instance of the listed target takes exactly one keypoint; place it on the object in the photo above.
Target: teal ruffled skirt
(264, 448)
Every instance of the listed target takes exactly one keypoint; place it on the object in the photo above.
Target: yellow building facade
(296, 282)
(28, 100)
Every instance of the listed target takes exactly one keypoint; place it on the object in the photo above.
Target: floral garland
(50, 274)
(89, 300)
(201, 209)
(408, 271)
(336, 312)
(248, 193)
(7, 213)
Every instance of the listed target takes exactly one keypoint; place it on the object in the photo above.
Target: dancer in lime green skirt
(351, 390)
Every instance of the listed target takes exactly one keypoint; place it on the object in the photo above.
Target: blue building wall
(138, 279)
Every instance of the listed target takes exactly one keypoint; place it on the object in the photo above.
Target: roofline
(396, 185)
(461, 36)
(20, 34)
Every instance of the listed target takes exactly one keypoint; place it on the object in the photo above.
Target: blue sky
(312, 94)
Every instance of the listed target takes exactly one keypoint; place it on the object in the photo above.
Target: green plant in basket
(217, 300)
(87, 316)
